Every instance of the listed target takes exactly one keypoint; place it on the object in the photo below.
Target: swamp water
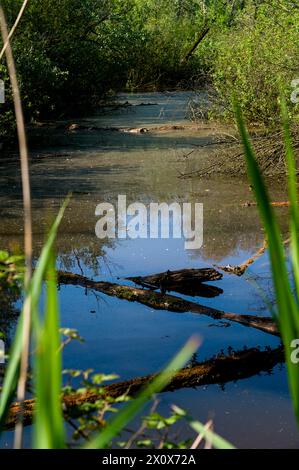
(128, 338)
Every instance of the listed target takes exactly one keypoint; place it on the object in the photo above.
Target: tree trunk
(199, 39)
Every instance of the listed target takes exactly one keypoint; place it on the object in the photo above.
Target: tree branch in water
(220, 369)
(158, 301)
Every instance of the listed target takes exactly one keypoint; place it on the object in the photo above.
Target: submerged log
(184, 281)
(159, 301)
(218, 370)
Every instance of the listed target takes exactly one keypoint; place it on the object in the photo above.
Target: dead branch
(241, 268)
(274, 204)
(194, 46)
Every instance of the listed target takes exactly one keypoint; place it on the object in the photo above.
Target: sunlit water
(127, 338)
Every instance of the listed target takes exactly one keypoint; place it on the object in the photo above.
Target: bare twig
(142, 428)
(201, 436)
(13, 28)
(240, 269)
(27, 221)
(274, 204)
(208, 443)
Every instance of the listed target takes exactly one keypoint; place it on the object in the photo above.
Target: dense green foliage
(257, 58)
(71, 54)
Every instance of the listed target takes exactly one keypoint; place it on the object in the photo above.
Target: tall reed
(24, 160)
(286, 285)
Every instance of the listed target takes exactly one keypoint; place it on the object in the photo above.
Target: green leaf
(4, 256)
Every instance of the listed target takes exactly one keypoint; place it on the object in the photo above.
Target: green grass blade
(287, 318)
(49, 427)
(11, 375)
(276, 249)
(292, 190)
(104, 438)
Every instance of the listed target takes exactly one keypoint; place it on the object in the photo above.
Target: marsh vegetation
(135, 97)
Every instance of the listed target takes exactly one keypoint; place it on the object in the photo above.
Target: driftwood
(274, 204)
(184, 281)
(241, 268)
(217, 370)
(74, 127)
(159, 301)
(89, 127)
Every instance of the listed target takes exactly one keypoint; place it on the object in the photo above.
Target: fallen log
(220, 369)
(184, 281)
(159, 301)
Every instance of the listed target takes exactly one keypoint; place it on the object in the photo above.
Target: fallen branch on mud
(158, 301)
(217, 370)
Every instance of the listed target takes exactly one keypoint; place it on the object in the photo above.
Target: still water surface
(127, 338)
